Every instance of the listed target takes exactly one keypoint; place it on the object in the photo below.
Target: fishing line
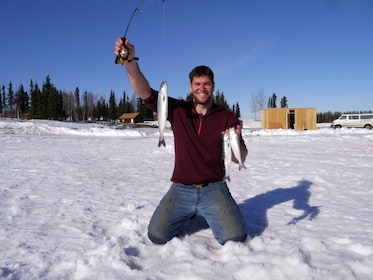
(164, 37)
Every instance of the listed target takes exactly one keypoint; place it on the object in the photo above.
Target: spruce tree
(219, 99)
(101, 109)
(122, 105)
(274, 101)
(284, 102)
(25, 105)
(35, 109)
(2, 100)
(85, 106)
(21, 101)
(112, 113)
(145, 112)
(49, 105)
(10, 98)
(77, 105)
(53, 104)
(238, 110)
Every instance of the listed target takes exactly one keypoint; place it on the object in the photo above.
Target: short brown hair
(201, 71)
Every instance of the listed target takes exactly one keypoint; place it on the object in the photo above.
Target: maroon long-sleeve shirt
(198, 140)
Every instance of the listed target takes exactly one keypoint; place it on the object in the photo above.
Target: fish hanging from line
(162, 112)
(227, 155)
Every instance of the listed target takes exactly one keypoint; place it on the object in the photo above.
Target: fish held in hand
(227, 155)
(162, 112)
(236, 146)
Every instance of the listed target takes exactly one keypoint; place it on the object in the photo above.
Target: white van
(354, 120)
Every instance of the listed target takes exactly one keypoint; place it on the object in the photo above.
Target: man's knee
(156, 240)
(240, 238)
(157, 233)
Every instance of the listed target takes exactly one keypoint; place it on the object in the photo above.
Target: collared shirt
(197, 139)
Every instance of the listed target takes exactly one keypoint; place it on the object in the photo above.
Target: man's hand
(118, 47)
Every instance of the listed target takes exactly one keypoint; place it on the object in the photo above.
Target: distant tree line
(50, 103)
(329, 116)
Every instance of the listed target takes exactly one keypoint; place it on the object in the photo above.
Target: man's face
(202, 88)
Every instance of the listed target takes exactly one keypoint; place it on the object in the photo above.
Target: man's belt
(200, 186)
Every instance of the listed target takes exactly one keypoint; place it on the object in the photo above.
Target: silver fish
(162, 112)
(236, 146)
(227, 155)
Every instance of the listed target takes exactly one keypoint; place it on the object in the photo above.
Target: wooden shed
(289, 118)
(130, 117)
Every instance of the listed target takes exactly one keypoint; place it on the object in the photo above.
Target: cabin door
(291, 119)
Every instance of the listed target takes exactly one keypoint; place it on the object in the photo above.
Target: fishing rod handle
(123, 54)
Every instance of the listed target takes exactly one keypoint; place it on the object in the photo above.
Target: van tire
(368, 126)
(337, 126)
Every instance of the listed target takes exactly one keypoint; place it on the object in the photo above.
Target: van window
(353, 117)
(343, 117)
(366, 117)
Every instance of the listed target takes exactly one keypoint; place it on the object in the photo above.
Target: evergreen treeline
(50, 103)
(329, 116)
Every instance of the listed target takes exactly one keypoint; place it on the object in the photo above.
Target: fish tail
(241, 165)
(161, 142)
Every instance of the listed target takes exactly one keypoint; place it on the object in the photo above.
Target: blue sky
(317, 53)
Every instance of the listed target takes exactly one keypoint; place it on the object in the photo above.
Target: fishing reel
(122, 56)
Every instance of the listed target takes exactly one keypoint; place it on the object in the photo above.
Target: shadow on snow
(254, 210)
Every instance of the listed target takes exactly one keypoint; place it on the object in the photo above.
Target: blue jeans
(214, 202)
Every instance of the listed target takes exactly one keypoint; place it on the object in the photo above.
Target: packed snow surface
(76, 199)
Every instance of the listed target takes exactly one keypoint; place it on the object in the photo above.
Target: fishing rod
(122, 56)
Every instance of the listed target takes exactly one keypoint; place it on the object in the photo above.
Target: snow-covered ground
(75, 201)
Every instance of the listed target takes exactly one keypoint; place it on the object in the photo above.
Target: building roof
(129, 116)
(290, 108)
